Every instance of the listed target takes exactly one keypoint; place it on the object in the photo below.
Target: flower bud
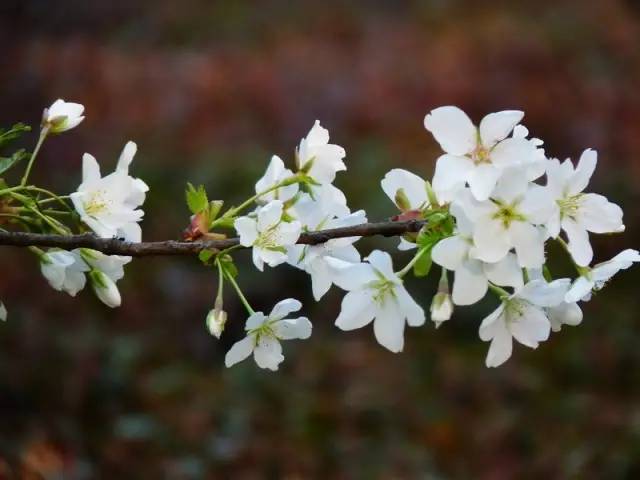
(3, 312)
(105, 289)
(441, 305)
(62, 116)
(216, 319)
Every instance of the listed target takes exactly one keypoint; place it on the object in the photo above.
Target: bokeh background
(210, 90)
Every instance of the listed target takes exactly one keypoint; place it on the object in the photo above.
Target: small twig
(174, 247)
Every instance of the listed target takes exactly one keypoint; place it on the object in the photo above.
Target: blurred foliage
(210, 90)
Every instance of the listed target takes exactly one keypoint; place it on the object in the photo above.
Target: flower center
(96, 203)
(270, 239)
(481, 155)
(508, 213)
(569, 206)
(383, 290)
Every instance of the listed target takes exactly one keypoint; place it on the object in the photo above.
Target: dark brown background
(210, 90)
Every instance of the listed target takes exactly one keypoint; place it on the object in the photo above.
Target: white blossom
(472, 276)
(265, 332)
(313, 259)
(317, 157)
(514, 217)
(405, 189)
(477, 155)
(62, 116)
(109, 205)
(65, 271)
(595, 278)
(565, 313)
(216, 320)
(3, 312)
(376, 293)
(276, 173)
(268, 234)
(106, 270)
(521, 316)
(578, 213)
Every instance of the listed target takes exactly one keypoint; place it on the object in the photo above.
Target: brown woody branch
(174, 247)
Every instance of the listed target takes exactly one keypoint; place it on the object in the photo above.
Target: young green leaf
(197, 200)
(14, 132)
(7, 162)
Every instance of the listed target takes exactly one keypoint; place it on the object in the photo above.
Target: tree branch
(174, 247)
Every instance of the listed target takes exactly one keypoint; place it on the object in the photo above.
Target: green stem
(43, 135)
(242, 298)
(53, 196)
(413, 261)
(581, 270)
(220, 283)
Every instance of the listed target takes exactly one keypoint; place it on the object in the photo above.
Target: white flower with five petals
(377, 294)
(472, 276)
(579, 213)
(65, 271)
(109, 205)
(276, 173)
(265, 332)
(268, 234)
(477, 155)
(62, 116)
(521, 316)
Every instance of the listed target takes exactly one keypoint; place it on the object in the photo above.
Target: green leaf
(205, 256)
(14, 132)
(214, 209)
(197, 200)
(7, 162)
(422, 267)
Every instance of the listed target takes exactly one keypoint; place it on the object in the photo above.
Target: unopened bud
(216, 319)
(105, 289)
(3, 312)
(441, 308)
(402, 201)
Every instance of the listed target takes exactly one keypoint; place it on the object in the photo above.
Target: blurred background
(210, 90)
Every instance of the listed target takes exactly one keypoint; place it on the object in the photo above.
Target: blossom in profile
(318, 158)
(65, 271)
(62, 116)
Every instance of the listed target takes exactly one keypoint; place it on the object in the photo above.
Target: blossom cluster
(496, 199)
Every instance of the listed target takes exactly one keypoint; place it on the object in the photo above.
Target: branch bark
(114, 246)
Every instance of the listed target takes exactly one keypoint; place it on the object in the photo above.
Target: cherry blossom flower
(578, 213)
(313, 259)
(264, 333)
(595, 278)
(476, 155)
(521, 316)
(376, 293)
(268, 234)
(472, 276)
(65, 271)
(405, 189)
(62, 116)
(513, 218)
(317, 157)
(109, 205)
(276, 173)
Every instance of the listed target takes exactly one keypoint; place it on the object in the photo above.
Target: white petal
(450, 176)
(269, 215)
(452, 129)
(405, 245)
(247, 229)
(544, 294)
(531, 327)
(268, 352)
(90, 168)
(580, 290)
(497, 126)
(256, 255)
(492, 323)
(126, 157)
(538, 205)
(287, 233)
(412, 185)
(450, 252)
(381, 261)
(506, 272)
(388, 326)
(501, 347)
(239, 351)
(529, 244)
(357, 310)
(290, 329)
(491, 240)
(579, 245)
(351, 276)
(583, 172)
(470, 283)
(483, 180)
(321, 279)
(599, 215)
(284, 308)
(409, 307)
(564, 314)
